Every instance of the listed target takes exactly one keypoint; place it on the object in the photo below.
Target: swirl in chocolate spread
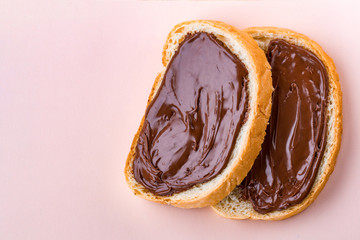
(191, 125)
(295, 140)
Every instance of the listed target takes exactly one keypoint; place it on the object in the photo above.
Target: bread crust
(211, 192)
(240, 209)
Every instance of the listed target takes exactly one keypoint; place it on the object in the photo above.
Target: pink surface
(74, 82)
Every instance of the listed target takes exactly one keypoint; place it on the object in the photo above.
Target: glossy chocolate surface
(192, 123)
(287, 165)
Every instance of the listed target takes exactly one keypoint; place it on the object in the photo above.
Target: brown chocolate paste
(287, 165)
(191, 125)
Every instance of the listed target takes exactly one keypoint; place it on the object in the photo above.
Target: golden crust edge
(257, 128)
(335, 145)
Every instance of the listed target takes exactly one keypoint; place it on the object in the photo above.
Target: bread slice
(252, 132)
(233, 206)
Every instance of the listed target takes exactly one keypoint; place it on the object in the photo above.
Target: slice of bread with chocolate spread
(205, 119)
(304, 132)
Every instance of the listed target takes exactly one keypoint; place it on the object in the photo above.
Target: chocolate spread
(287, 165)
(192, 123)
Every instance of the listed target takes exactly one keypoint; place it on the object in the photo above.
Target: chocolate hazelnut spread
(295, 140)
(192, 123)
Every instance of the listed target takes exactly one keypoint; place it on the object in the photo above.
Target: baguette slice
(252, 132)
(233, 206)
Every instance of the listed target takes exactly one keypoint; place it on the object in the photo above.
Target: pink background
(74, 80)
